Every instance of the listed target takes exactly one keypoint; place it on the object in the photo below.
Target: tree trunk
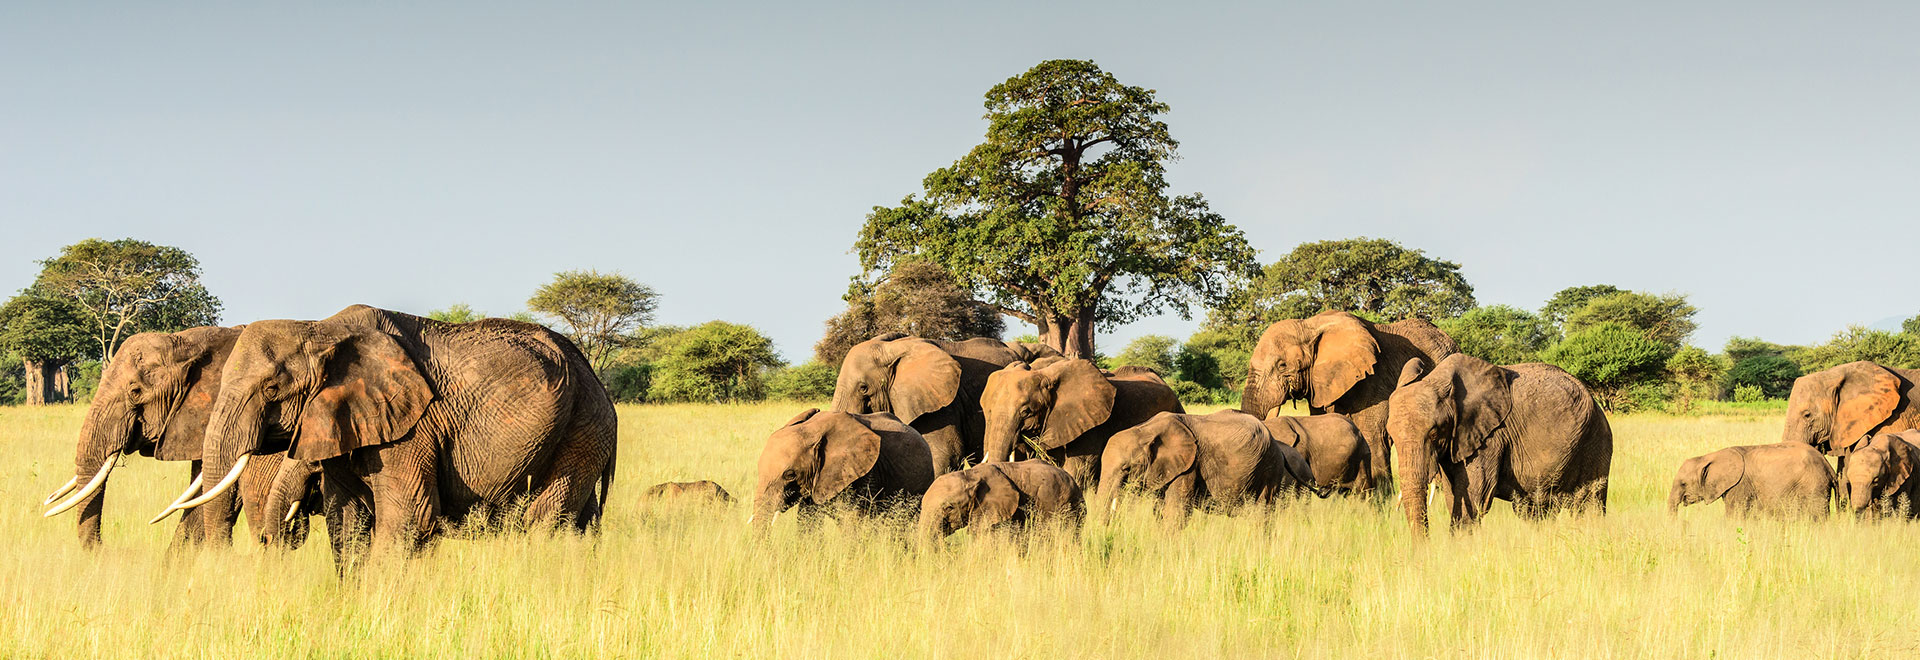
(42, 381)
(63, 383)
(1079, 340)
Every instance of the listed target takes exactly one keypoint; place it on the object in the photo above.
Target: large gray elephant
(1526, 433)
(154, 399)
(1001, 496)
(1341, 363)
(1837, 409)
(873, 462)
(934, 386)
(1068, 409)
(416, 423)
(1787, 480)
(1188, 460)
(1332, 446)
(1879, 480)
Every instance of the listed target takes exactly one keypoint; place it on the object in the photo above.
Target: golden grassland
(1327, 578)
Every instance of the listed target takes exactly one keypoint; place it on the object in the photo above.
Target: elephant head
(815, 457)
(1444, 417)
(1878, 470)
(1836, 409)
(1052, 405)
(320, 389)
(977, 498)
(1705, 479)
(894, 373)
(154, 398)
(1149, 456)
(1318, 358)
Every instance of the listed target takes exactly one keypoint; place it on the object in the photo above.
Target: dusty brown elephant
(1188, 460)
(1068, 409)
(697, 491)
(417, 424)
(1526, 433)
(1333, 447)
(1836, 409)
(1001, 496)
(154, 400)
(1879, 480)
(1341, 363)
(934, 386)
(873, 462)
(1786, 480)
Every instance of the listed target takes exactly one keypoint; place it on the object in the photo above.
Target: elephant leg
(1084, 468)
(406, 498)
(188, 533)
(1465, 509)
(1372, 422)
(567, 496)
(944, 442)
(1178, 501)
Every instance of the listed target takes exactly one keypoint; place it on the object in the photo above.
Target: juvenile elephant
(933, 386)
(416, 423)
(1341, 363)
(1788, 480)
(154, 399)
(1068, 408)
(1836, 409)
(1000, 495)
(704, 491)
(873, 461)
(1226, 457)
(1527, 433)
(1879, 478)
(1333, 447)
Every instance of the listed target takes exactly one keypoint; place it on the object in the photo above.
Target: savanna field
(1332, 578)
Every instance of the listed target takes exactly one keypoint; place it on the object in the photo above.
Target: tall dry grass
(1321, 579)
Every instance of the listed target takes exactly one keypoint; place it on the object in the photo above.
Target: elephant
(153, 399)
(1068, 409)
(1341, 363)
(699, 491)
(1879, 479)
(872, 461)
(416, 424)
(1526, 433)
(1000, 495)
(1332, 446)
(1226, 457)
(1837, 409)
(1787, 479)
(934, 386)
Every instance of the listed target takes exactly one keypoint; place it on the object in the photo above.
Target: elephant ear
(1411, 372)
(996, 499)
(371, 393)
(1867, 393)
(1082, 399)
(199, 355)
(1173, 449)
(925, 379)
(1284, 429)
(848, 450)
(1719, 476)
(1344, 353)
(801, 417)
(1902, 454)
(1484, 400)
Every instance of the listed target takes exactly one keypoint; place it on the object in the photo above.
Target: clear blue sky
(1764, 160)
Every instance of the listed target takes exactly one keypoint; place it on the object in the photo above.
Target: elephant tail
(606, 480)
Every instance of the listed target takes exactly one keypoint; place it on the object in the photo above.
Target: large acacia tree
(126, 287)
(1061, 218)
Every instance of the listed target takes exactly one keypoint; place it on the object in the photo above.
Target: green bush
(85, 380)
(1151, 351)
(1191, 392)
(812, 381)
(1198, 366)
(628, 383)
(1771, 375)
(1610, 358)
(714, 362)
(1643, 397)
(1499, 334)
(1748, 394)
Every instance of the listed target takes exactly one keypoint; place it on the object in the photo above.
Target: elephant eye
(789, 475)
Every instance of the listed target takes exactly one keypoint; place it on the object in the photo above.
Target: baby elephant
(1333, 447)
(1000, 495)
(1880, 476)
(1225, 457)
(694, 491)
(871, 460)
(1788, 480)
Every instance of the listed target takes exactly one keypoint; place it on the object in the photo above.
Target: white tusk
(63, 490)
(192, 488)
(225, 483)
(292, 510)
(1113, 504)
(99, 479)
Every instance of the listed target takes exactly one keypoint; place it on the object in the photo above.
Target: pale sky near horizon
(1760, 158)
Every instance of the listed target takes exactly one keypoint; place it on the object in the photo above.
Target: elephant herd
(1862, 413)
(395, 429)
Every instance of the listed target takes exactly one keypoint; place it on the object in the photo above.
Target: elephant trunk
(1253, 399)
(103, 436)
(233, 435)
(1003, 432)
(1676, 496)
(1417, 471)
(290, 483)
